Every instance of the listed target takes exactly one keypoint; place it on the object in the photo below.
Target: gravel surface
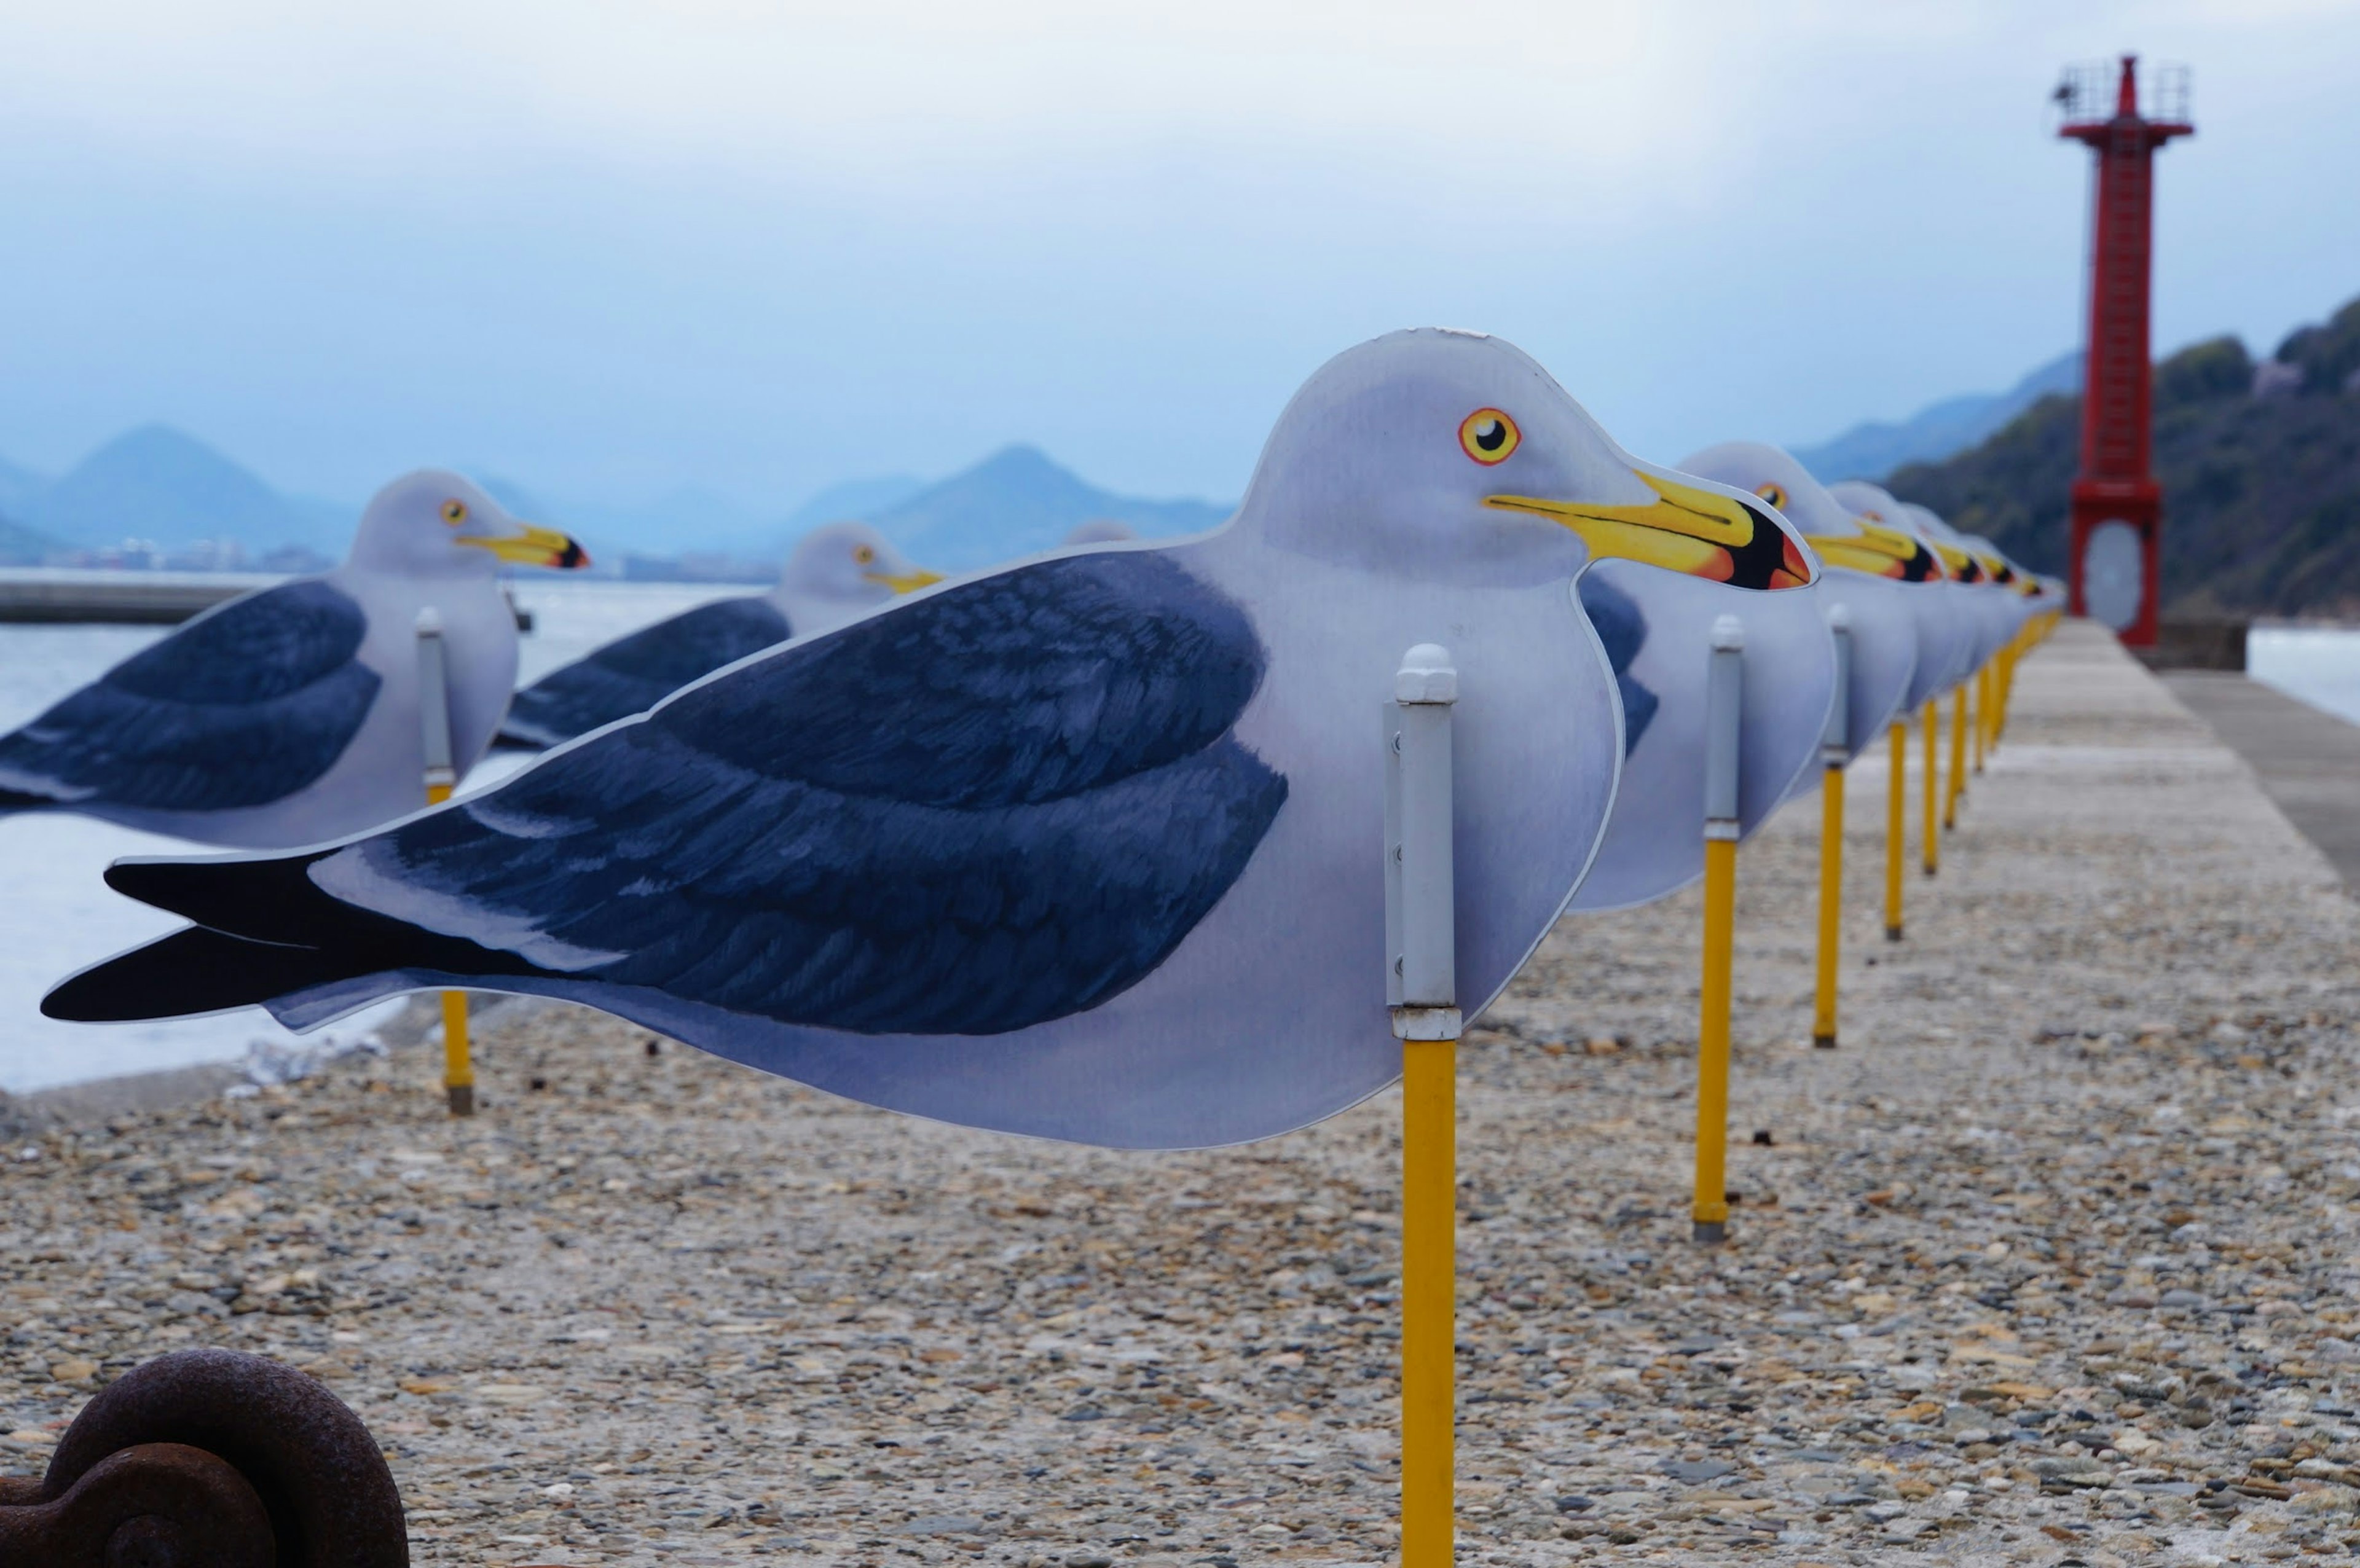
(2050, 1262)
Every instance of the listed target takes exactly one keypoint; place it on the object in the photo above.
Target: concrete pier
(129, 598)
(2307, 760)
(2053, 1259)
(43, 596)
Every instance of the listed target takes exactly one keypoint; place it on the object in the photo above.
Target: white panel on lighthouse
(2114, 574)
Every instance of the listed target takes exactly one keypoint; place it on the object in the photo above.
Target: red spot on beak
(1795, 566)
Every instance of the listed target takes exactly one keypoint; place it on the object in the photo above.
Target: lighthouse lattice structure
(2117, 507)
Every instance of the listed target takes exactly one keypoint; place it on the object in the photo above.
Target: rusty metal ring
(317, 1476)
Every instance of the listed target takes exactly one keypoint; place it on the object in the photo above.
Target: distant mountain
(21, 546)
(1015, 502)
(18, 488)
(2261, 494)
(696, 522)
(160, 484)
(683, 521)
(854, 500)
(1872, 450)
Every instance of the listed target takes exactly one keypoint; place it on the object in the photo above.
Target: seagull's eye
(1488, 436)
(454, 512)
(1773, 492)
(865, 555)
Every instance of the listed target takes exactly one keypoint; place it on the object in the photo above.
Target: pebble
(2055, 1256)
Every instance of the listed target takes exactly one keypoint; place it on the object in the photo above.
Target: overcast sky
(611, 248)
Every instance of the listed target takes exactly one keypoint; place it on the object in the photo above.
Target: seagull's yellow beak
(907, 583)
(1880, 553)
(533, 546)
(1959, 564)
(1699, 532)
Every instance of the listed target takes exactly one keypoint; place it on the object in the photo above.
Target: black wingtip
(264, 899)
(128, 877)
(190, 972)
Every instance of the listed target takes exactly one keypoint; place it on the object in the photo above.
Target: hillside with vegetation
(2260, 468)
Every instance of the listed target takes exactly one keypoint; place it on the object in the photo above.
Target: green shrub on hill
(2329, 356)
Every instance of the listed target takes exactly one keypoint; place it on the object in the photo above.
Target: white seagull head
(434, 523)
(848, 566)
(1452, 456)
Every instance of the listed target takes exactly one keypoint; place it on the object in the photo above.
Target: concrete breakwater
(2053, 1258)
(128, 598)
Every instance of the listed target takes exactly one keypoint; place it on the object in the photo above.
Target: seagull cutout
(1655, 612)
(2028, 586)
(1088, 848)
(1992, 611)
(1950, 657)
(836, 574)
(2018, 587)
(1886, 582)
(2013, 585)
(291, 715)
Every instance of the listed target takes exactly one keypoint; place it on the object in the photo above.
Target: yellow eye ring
(1489, 435)
(454, 512)
(864, 555)
(1773, 492)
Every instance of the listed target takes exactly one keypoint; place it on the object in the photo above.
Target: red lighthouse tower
(2117, 506)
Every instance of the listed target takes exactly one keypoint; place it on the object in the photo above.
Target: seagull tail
(266, 934)
(263, 931)
(268, 899)
(193, 971)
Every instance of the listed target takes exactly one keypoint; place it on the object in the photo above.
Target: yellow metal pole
(1957, 784)
(1831, 827)
(2016, 650)
(1712, 1042)
(458, 1068)
(1896, 825)
(1986, 681)
(2023, 645)
(458, 1062)
(1933, 858)
(1999, 692)
(2000, 679)
(1429, 1273)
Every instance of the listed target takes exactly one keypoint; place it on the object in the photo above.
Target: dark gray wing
(634, 673)
(1621, 626)
(243, 706)
(997, 805)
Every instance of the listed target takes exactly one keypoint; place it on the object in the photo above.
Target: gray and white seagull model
(1088, 847)
(291, 715)
(837, 574)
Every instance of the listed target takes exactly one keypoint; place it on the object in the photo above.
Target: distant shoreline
(92, 1100)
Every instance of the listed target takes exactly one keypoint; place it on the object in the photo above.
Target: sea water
(56, 914)
(2318, 665)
